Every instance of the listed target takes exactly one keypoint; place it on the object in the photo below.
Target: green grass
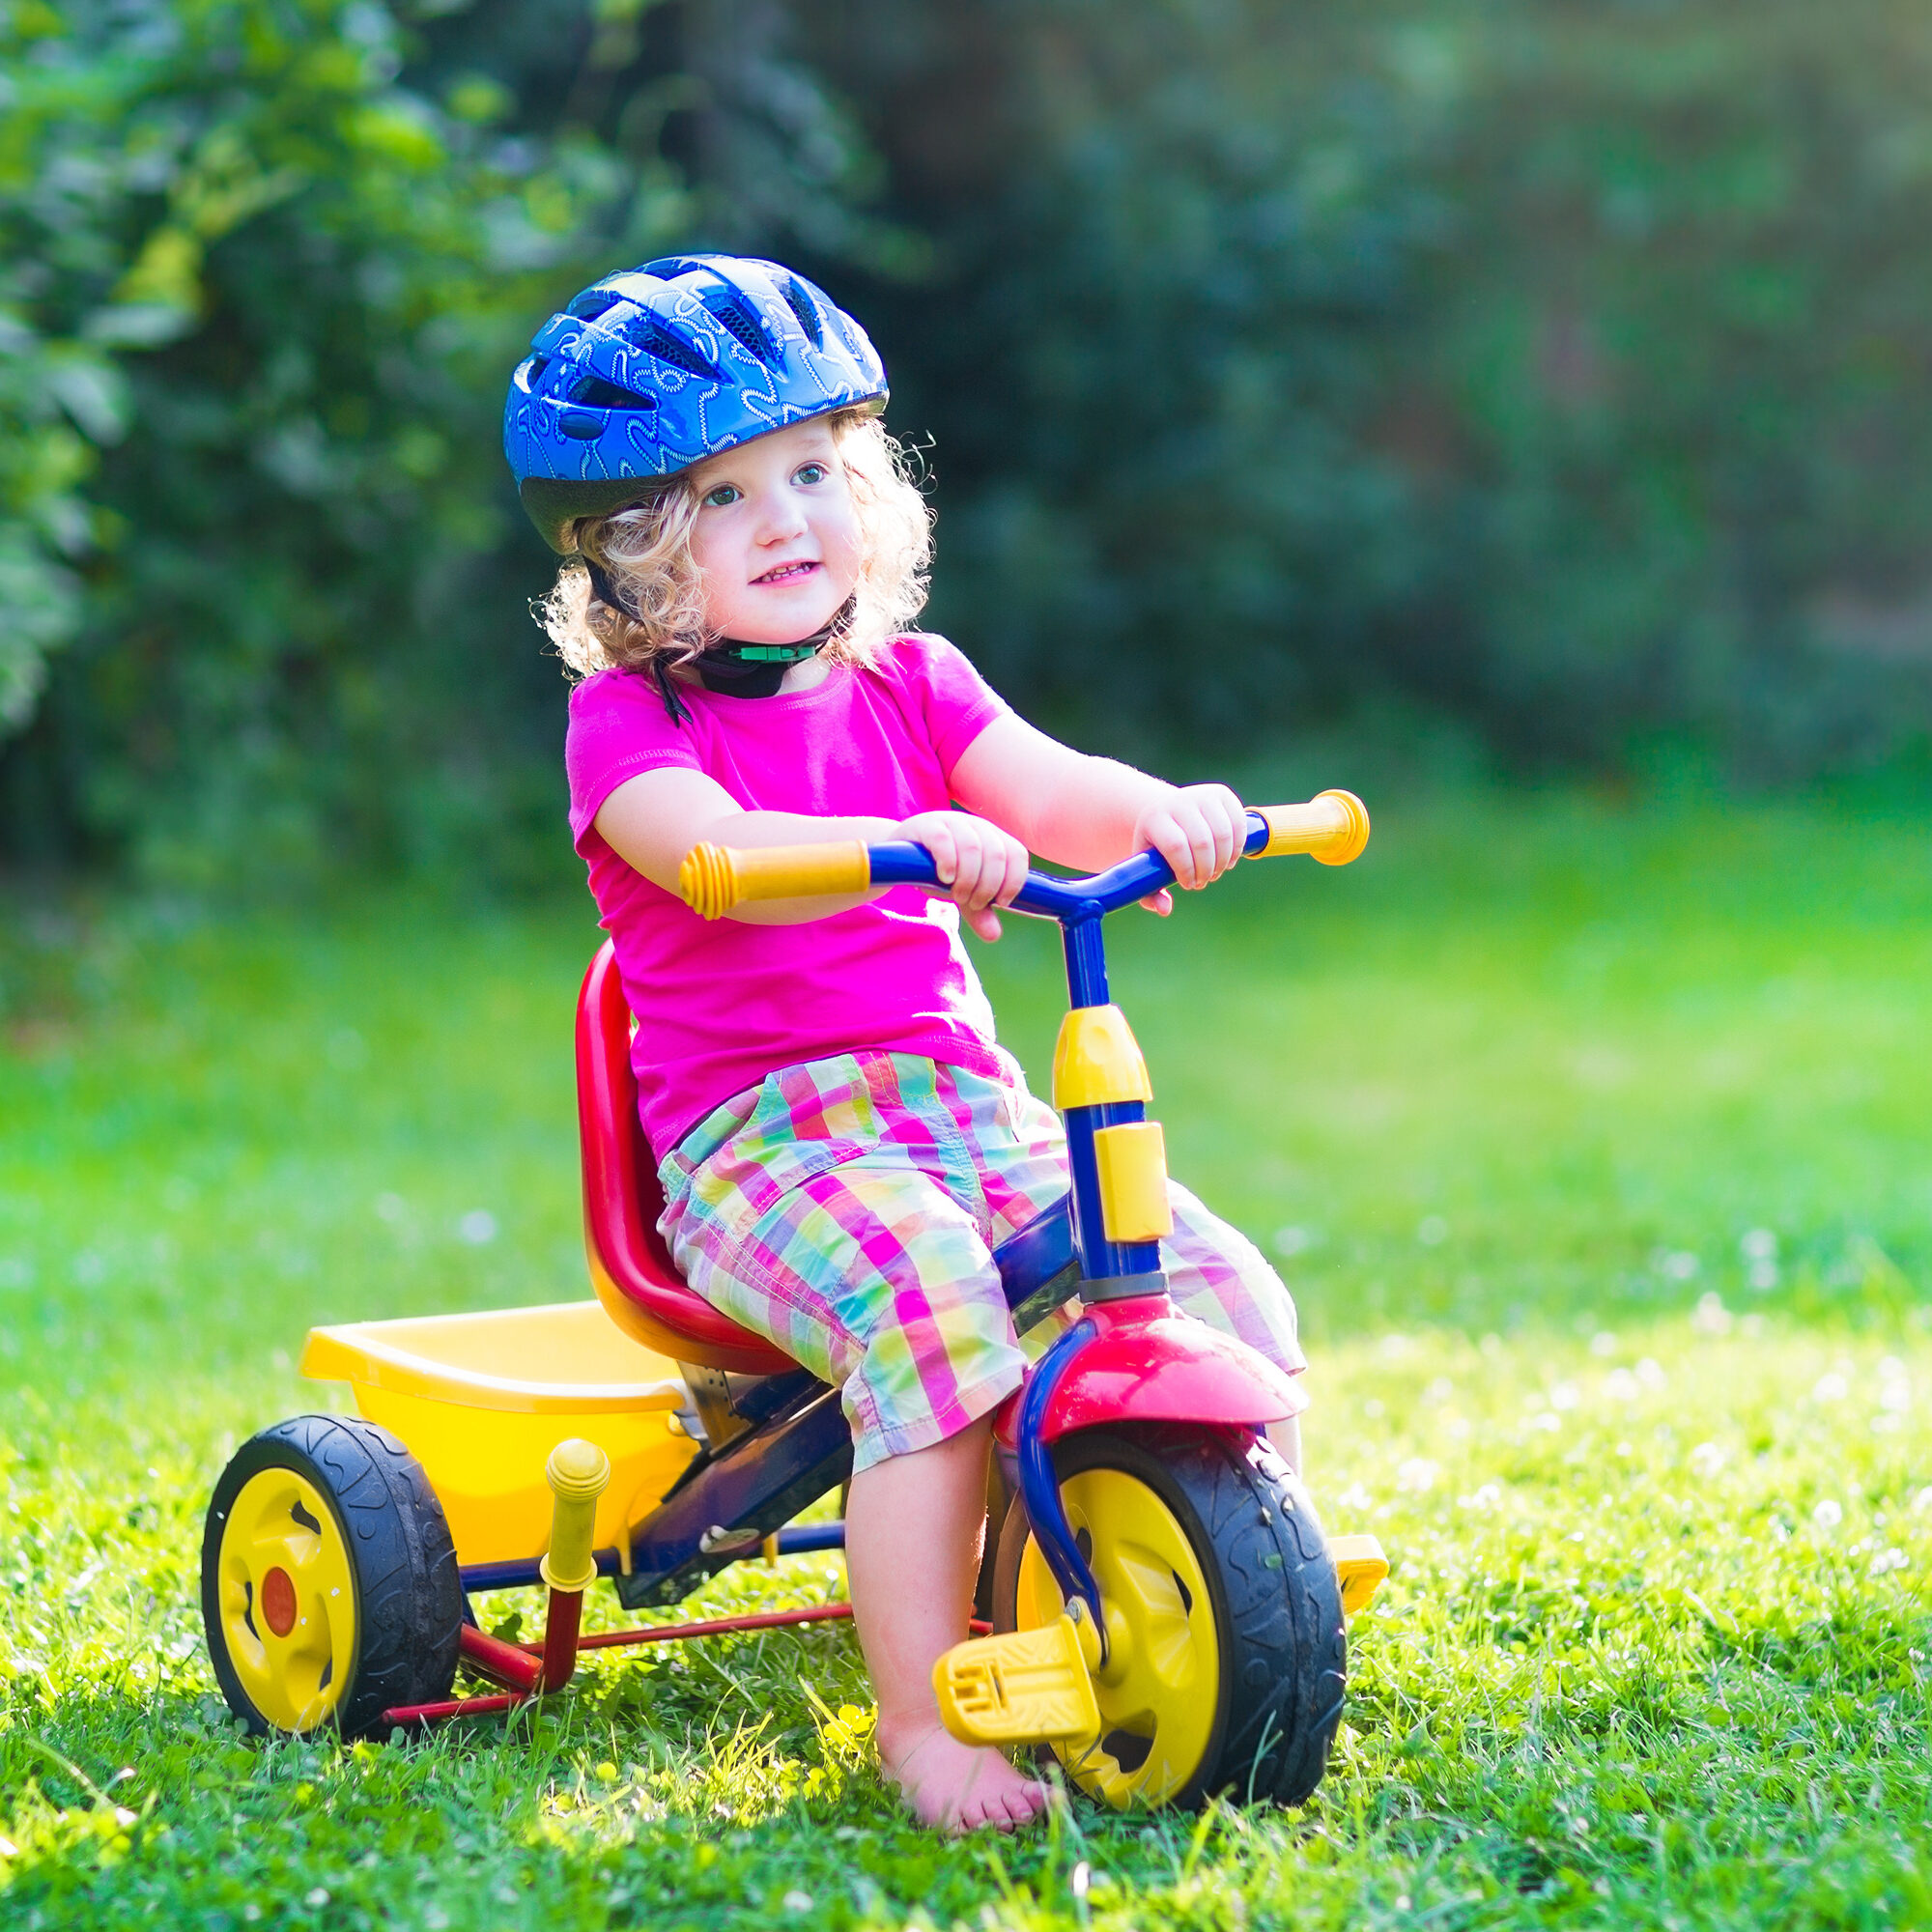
(1598, 1148)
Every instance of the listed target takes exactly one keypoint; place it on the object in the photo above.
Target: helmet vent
(596, 393)
(729, 306)
(531, 373)
(592, 303)
(806, 309)
(655, 339)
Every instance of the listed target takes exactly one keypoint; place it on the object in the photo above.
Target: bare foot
(954, 1786)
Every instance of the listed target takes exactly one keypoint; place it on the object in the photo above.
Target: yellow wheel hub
(1159, 1687)
(287, 1600)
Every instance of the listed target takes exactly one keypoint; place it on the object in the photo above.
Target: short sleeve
(957, 702)
(619, 728)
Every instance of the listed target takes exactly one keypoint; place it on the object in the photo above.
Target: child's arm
(652, 821)
(1090, 812)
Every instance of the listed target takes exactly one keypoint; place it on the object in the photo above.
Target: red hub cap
(279, 1602)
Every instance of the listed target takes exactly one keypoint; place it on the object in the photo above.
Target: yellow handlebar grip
(578, 1473)
(1332, 827)
(714, 878)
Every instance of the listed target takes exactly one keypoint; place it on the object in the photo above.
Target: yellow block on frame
(1097, 1061)
(1132, 1159)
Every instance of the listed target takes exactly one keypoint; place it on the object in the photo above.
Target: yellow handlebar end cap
(707, 881)
(1351, 840)
(579, 1472)
(578, 1468)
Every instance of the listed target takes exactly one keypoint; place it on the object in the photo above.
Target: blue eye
(726, 495)
(808, 473)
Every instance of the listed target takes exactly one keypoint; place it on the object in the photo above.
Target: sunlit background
(1513, 410)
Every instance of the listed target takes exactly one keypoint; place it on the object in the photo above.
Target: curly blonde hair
(645, 551)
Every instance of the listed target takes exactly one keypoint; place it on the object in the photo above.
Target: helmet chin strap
(732, 667)
(740, 670)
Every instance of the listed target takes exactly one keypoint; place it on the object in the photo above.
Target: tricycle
(1159, 1607)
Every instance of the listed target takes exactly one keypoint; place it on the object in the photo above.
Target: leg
(1216, 1274)
(920, 1516)
(871, 1273)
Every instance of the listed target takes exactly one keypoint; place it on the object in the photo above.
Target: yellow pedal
(1360, 1567)
(1023, 1687)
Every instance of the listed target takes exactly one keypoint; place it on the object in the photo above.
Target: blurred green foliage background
(1552, 375)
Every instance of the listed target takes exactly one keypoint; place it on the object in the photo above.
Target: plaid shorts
(846, 1211)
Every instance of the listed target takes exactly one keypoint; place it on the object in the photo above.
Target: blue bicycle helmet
(656, 368)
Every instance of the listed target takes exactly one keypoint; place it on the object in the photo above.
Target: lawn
(1595, 1143)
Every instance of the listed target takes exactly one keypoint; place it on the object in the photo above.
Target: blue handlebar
(900, 863)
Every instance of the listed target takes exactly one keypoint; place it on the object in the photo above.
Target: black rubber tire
(409, 1592)
(1277, 1603)
(998, 1504)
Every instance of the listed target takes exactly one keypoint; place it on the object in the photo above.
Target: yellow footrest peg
(1360, 1567)
(1023, 1687)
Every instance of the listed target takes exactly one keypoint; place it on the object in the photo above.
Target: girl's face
(777, 538)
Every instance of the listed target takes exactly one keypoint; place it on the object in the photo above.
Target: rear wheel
(1226, 1655)
(329, 1589)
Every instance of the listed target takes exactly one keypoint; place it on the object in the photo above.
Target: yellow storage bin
(481, 1399)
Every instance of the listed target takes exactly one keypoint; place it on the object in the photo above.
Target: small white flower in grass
(318, 1896)
(1564, 1396)
(1711, 1316)
(1829, 1515)
(1758, 1244)
(1292, 1241)
(478, 1228)
(1439, 1390)
(1650, 1374)
(1676, 1263)
(1894, 1385)
(1831, 1386)
(1603, 1345)
(798, 1901)
(1620, 1385)
(1888, 1560)
(1416, 1476)
(1549, 1422)
(1482, 1500)
(9, 1849)
(1432, 1230)
(1706, 1460)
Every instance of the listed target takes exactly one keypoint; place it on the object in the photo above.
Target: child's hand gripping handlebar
(1332, 827)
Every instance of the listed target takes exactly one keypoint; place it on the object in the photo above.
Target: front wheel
(329, 1589)
(1227, 1657)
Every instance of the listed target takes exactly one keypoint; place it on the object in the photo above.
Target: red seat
(630, 1265)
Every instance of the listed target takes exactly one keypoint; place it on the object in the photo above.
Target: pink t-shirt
(720, 1004)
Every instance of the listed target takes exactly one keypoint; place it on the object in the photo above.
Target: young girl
(840, 1139)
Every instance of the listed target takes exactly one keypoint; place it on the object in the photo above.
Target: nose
(780, 515)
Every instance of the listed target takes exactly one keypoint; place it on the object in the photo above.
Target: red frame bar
(531, 1669)
(560, 1644)
(506, 1663)
(452, 1707)
(814, 1614)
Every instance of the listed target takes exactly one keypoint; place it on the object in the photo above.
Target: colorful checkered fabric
(846, 1211)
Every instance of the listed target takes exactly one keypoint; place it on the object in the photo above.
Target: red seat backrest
(630, 1266)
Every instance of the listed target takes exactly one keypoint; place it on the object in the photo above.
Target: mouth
(785, 574)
